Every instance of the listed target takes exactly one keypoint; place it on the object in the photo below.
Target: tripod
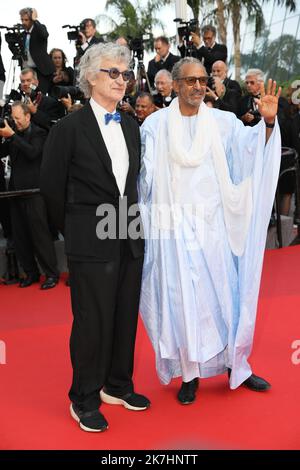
(141, 73)
(10, 83)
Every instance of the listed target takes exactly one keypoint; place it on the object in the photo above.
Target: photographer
(164, 59)
(87, 37)
(210, 51)
(24, 143)
(248, 111)
(35, 39)
(2, 73)
(226, 93)
(44, 109)
(63, 75)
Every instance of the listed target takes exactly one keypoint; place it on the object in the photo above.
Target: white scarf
(236, 199)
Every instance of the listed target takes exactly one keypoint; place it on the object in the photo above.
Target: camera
(74, 35)
(187, 28)
(136, 45)
(6, 115)
(59, 92)
(211, 83)
(15, 41)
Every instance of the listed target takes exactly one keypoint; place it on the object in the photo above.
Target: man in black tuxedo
(30, 228)
(90, 167)
(35, 43)
(248, 109)
(164, 59)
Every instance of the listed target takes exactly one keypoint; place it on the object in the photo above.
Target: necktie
(115, 117)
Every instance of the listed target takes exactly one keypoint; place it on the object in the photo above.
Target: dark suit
(38, 50)
(2, 69)
(154, 67)
(105, 275)
(81, 52)
(28, 214)
(209, 55)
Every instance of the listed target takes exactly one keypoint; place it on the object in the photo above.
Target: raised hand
(268, 102)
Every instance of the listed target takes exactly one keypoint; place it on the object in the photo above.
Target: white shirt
(115, 143)
(29, 62)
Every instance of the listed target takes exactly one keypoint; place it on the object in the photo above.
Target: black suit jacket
(210, 55)
(2, 69)
(25, 151)
(81, 52)
(154, 67)
(38, 48)
(77, 177)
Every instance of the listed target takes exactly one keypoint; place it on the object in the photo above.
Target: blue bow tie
(115, 117)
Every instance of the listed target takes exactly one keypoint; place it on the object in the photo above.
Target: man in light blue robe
(206, 188)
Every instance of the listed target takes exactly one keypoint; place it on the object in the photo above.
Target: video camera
(74, 35)
(187, 27)
(15, 40)
(136, 45)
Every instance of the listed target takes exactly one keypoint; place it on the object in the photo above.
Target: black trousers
(105, 302)
(32, 236)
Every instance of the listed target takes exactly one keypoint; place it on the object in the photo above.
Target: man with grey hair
(90, 168)
(248, 109)
(205, 213)
(35, 39)
(163, 85)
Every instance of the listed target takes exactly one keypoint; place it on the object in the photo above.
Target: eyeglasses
(115, 73)
(191, 81)
(250, 82)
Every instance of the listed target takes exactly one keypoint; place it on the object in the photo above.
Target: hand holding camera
(196, 39)
(6, 131)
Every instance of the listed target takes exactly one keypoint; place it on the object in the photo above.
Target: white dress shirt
(115, 143)
(29, 62)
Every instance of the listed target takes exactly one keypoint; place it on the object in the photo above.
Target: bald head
(219, 69)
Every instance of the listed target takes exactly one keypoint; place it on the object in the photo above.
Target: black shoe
(187, 392)
(90, 421)
(49, 283)
(255, 383)
(131, 401)
(258, 384)
(30, 279)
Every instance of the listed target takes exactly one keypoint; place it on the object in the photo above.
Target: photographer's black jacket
(81, 52)
(154, 67)
(38, 48)
(25, 151)
(2, 69)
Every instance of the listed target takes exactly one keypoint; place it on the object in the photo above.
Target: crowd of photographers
(48, 91)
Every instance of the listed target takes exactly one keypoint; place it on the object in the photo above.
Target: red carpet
(34, 381)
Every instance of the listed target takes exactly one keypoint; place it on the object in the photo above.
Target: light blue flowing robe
(198, 300)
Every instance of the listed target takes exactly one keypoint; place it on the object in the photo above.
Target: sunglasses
(115, 73)
(191, 81)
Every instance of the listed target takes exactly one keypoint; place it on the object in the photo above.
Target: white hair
(257, 73)
(92, 59)
(164, 72)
